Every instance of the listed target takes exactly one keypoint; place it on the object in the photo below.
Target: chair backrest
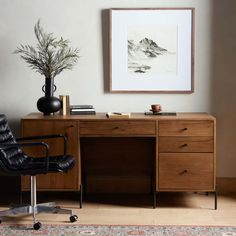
(12, 157)
(6, 135)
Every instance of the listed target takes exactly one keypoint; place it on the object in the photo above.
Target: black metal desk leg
(215, 194)
(21, 197)
(81, 195)
(154, 198)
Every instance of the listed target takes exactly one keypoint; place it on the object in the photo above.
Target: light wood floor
(172, 208)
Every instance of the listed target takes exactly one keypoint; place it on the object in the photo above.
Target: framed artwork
(152, 50)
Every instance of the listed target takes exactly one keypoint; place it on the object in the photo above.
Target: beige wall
(81, 22)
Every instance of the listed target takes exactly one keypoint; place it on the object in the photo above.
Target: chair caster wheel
(73, 218)
(37, 225)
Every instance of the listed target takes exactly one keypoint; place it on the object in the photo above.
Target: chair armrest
(47, 137)
(31, 144)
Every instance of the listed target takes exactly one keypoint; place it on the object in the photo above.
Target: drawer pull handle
(184, 145)
(116, 127)
(185, 129)
(183, 172)
(71, 126)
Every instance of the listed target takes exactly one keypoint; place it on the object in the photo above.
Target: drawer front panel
(186, 171)
(113, 127)
(186, 144)
(186, 128)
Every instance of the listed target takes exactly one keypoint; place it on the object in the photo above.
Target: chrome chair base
(49, 207)
(34, 208)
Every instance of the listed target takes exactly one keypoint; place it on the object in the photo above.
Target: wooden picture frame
(151, 50)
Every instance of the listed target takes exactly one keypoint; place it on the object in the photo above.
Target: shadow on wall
(223, 94)
(105, 36)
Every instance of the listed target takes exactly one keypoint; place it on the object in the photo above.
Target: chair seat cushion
(37, 165)
(56, 163)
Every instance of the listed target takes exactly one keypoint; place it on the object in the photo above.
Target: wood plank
(134, 116)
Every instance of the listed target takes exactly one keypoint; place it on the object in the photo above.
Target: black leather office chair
(13, 161)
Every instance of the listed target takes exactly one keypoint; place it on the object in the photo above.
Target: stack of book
(82, 110)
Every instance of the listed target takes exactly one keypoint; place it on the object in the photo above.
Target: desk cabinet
(186, 158)
(54, 181)
(141, 153)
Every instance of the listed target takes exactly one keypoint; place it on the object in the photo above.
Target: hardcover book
(81, 106)
(82, 112)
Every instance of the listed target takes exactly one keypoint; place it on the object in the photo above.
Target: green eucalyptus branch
(51, 56)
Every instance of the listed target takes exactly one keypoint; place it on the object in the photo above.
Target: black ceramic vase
(49, 104)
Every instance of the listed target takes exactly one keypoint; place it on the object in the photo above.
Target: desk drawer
(186, 171)
(186, 144)
(116, 128)
(186, 128)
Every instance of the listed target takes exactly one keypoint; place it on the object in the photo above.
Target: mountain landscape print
(152, 51)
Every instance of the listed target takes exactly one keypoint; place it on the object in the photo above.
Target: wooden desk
(141, 154)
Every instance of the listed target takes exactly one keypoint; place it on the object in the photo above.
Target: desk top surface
(134, 116)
